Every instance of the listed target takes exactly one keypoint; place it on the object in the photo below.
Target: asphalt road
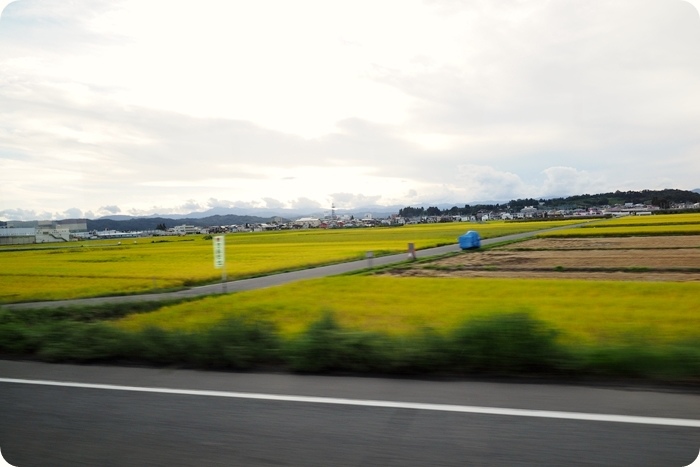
(110, 416)
(275, 279)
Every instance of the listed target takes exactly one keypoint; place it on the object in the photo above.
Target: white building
(52, 234)
(307, 222)
(17, 235)
(528, 211)
(185, 229)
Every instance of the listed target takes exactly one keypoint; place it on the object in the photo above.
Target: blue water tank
(470, 239)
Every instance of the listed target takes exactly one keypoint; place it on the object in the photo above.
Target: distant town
(665, 201)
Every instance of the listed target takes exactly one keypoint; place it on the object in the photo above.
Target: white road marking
(594, 417)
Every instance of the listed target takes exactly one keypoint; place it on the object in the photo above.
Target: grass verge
(500, 344)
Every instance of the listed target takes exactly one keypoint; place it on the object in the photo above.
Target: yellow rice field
(96, 268)
(669, 219)
(585, 311)
(675, 224)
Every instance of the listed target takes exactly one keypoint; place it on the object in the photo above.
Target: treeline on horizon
(664, 199)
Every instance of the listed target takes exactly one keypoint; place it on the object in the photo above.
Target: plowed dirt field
(669, 258)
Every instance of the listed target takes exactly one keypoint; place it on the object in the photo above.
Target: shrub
(504, 343)
(235, 343)
(81, 342)
(34, 316)
(424, 352)
(16, 339)
(155, 345)
(679, 361)
(325, 346)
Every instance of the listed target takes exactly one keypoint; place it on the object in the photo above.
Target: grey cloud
(73, 213)
(562, 181)
(185, 208)
(271, 203)
(190, 206)
(485, 182)
(580, 70)
(244, 204)
(19, 214)
(219, 203)
(112, 209)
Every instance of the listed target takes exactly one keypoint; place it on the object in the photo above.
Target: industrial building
(21, 233)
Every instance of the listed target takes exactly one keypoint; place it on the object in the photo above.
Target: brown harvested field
(670, 258)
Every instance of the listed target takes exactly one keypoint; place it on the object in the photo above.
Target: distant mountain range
(268, 213)
(239, 216)
(224, 216)
(151, 223)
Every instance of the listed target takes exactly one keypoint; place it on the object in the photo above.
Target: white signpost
(220, 257)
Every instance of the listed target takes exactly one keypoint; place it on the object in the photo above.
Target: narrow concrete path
(274, 279)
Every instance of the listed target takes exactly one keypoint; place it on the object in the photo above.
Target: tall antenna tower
(333, 211)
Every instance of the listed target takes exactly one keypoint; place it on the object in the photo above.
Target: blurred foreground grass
(505, 344)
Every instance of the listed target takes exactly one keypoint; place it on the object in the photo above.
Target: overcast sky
(146, 106)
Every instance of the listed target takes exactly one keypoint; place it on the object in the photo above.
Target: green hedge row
(502, 344)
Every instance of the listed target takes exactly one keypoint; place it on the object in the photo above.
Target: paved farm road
(274, 279)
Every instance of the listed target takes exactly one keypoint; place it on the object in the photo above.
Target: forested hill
(661, 198)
